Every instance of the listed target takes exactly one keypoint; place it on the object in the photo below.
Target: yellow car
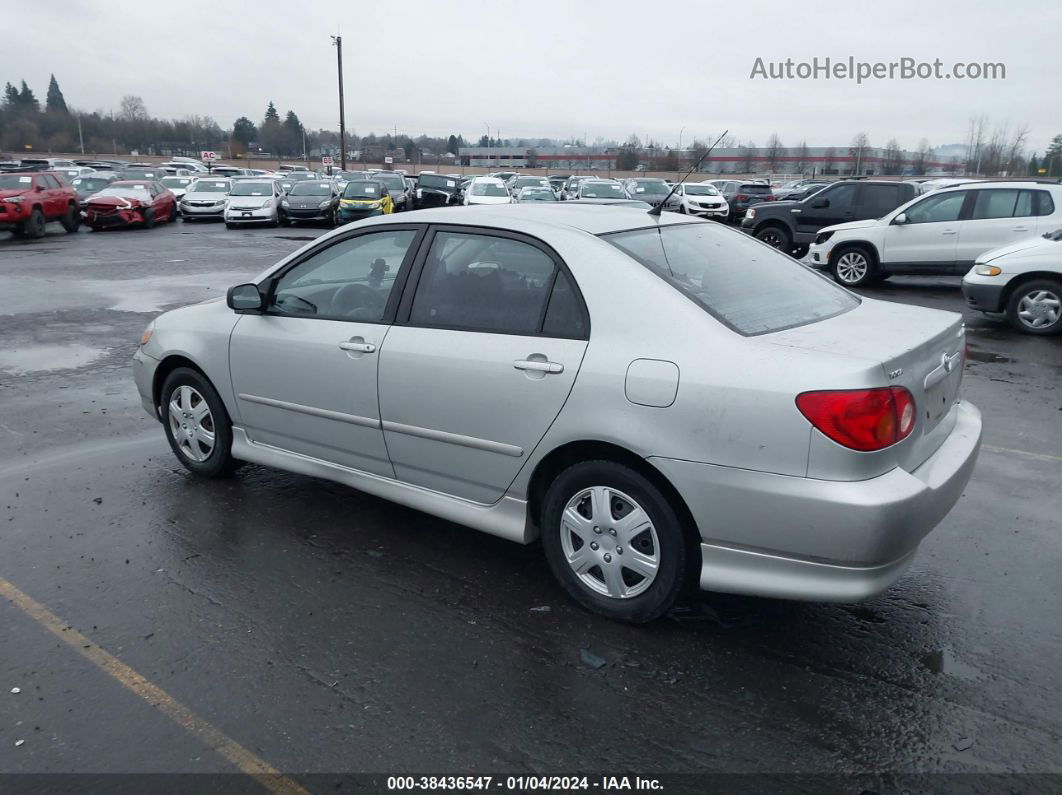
(363, 198)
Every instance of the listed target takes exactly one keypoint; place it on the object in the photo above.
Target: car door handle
(358, 347)
(1021, 229)
(948, 232)
(796, 210)
(541, 367)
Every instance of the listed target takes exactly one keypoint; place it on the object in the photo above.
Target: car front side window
(350, 280)
(937, 208)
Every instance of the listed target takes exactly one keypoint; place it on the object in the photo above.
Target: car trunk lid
(919, 349)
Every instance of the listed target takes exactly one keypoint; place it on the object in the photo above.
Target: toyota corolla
(599, 378)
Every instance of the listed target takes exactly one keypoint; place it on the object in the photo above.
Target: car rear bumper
(801, 538)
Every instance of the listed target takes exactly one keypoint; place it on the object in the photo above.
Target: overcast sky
(553, 69)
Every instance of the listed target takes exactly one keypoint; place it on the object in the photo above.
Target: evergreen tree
(271, 114)
(244, 131)
(26, 99)
(10, 97)
(55, 101)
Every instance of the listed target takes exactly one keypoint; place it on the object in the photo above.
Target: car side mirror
(820, 203)
(245, 299)
(900, 219)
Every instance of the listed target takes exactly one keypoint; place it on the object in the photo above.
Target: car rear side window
(484, 283)
(748, 286)
(881, 198)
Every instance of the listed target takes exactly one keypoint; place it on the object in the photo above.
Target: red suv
(29, 200)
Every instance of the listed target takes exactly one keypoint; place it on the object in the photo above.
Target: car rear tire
(614, 542)
(34, 225)
(149, 218)
(197, 425)
(775, 237)
(853, 266)
(71, 220)
(1036, 307)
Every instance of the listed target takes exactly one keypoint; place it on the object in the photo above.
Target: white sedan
(487, 190)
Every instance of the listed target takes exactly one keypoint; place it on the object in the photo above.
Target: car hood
(1033, 247)
(848, 224)
(114, 201)
(201, 197)
(307, 201)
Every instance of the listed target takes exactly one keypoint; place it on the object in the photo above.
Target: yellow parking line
(243, 759)
(1026, 453)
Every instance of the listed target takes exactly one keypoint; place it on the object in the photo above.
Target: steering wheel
(353, 298)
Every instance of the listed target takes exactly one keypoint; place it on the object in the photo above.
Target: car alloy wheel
(1039, 309)
(191, 423)
(773, 238)
(610, 542)
(852, 267)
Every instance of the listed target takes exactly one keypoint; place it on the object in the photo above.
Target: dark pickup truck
(792, 225)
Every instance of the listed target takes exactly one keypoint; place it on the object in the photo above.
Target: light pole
(338, 42)
(680, 138)
(488, 144)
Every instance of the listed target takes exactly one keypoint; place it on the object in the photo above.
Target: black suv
(740, 195)
(792, 225)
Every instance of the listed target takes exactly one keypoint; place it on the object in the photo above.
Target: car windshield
(391, 182)
(296, 176)
(362, 189)
(601, 190)
(176, 182)
(433, 181)
(537, 195)
(210, 186)
(523, 182)
(15, 182)
(90, 183)
(139, 173)
(488, 189)
(249, 188)
(747, 286)
(127, 192)
(653, 187)
(308, 188)
(700, 190)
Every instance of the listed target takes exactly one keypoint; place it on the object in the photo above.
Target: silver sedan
(664, 402)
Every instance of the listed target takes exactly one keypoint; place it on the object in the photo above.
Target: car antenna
(660, 207)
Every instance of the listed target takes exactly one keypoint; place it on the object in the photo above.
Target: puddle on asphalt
(986, 357)
(944, 661)
(47, 358)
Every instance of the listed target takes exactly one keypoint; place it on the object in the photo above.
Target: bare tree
(1014, 161)
(774, 152)
(748, 157)
(857, 149)
(975, 142)
(922, 157)
(892, 158)
(802, 157)
(133, 108)
(828, 166)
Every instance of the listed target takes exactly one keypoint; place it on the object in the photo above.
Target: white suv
(940, 233)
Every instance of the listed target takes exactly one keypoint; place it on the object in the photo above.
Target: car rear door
(305, 371)
(927, 242)
(488, 341)
(995, 217)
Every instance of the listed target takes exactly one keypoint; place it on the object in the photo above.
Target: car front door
(927, 241)
(832, 205)
(489, 339)
(305, 370)
(996, 217)
(51, 196)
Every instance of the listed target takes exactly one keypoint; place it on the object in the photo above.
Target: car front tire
(197, 425)
(34, 225)
(72, 218)
(614, 541)
(853, 266)
(1036, 307)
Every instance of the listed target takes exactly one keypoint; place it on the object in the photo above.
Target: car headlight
(822, 237)
(324, 204)
(146, 336)
(267, 203)
(14, 199)
(375, 205)
(420, 193)
(982, 269)
(284, 203)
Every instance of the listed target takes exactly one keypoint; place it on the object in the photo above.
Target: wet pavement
(326, 631)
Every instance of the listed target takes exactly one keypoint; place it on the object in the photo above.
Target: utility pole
(338, 42)
(80, 137)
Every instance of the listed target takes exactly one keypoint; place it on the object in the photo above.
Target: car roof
(542, 219)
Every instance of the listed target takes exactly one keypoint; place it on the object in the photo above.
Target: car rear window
(746, 285)
(753, 188)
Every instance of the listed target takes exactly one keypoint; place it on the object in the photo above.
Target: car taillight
(861, 419)
(740, 197)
